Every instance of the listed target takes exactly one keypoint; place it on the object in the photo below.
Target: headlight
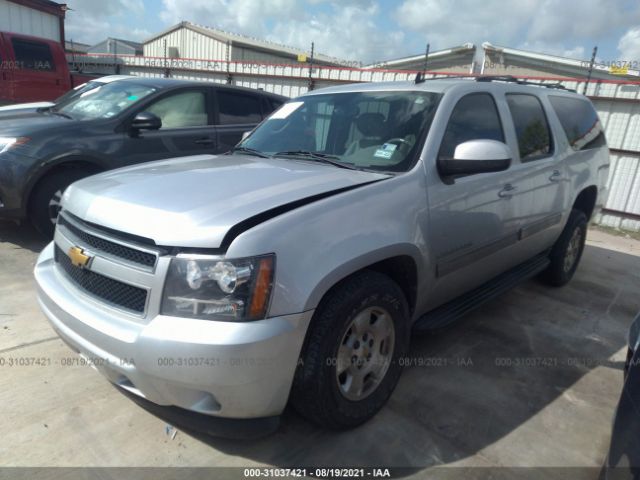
(7, 142)
(218, 289)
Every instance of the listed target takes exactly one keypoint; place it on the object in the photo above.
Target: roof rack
(512, 79)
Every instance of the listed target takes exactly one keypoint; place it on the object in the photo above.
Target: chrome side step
(456, 308)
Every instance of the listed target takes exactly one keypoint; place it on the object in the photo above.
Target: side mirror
(477, 156)
(146, 121)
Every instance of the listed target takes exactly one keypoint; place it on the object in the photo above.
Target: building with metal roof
(117, 46)
(189, 40)
(451, 60)
(75, 47)
(498, 60)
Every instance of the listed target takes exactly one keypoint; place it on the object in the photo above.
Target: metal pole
(73, 54)
(229, 77)
(426, 60)
(311, 82)
(593, 59)
(421, 76)
(115, 57)
(166, 62)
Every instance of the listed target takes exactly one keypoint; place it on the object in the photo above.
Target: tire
(567, 251)
(347, 317)
(44, 202)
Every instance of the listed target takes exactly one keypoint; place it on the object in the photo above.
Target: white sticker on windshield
(286, 110)
(386, 151)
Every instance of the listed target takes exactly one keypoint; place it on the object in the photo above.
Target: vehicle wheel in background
(44, 204)
(567, 251)
(351, 361)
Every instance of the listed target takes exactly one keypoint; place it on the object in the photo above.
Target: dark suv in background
(122, 123)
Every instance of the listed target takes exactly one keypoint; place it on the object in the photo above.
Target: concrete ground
(528, 380)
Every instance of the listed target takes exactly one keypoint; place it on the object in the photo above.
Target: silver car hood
(194, 201)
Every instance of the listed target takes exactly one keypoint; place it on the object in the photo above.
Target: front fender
(42, 167)
(319, 244)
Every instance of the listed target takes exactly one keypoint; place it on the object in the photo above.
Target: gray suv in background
(124, 122)
(296, 268)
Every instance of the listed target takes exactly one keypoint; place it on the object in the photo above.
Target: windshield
(368, 130)
(104, 101)
(85, 87)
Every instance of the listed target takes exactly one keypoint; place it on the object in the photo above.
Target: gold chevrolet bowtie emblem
(78, 257)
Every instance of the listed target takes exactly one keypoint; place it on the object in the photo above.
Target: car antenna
(422, 76)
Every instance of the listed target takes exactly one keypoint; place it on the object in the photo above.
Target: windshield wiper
(250, 151)
(318, 157)
(60, 114)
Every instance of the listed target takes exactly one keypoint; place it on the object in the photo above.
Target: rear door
(186, 127)
(237, 112)
(37, 77)
(542, 182)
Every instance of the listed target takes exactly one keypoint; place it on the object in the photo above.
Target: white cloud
(348, 32)
(446, 23)
(629, 46)
(91, 21)
(559, 27)
(344, 29)
(239, 16)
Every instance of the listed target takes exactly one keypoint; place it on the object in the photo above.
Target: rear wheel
(350, 364)
(567, 251)
(44, 205)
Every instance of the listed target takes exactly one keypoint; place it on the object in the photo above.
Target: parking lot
(529, 380)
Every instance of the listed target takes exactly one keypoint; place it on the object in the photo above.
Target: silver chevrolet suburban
(294, 268)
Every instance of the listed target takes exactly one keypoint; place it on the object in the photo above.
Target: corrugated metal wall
(27, 21)
(618, 104)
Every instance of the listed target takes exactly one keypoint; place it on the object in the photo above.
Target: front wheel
(351, 364)
(44, 204)
(567, 251)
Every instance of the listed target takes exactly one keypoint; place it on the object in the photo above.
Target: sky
(371, 31)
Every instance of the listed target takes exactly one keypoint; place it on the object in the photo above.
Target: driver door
(472, 220)
(186, 128)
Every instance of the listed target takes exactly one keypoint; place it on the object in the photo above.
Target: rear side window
(238, 108)
(579, 121)
(272, 105)
(475, 117)
(33, 55)
(532, 128)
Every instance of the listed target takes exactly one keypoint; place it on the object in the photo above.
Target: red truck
(33, 69)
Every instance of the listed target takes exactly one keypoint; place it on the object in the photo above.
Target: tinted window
(475, 117)
(238, 108)
(33, 55)
(185, 109)
(579, 121)
(532, 128)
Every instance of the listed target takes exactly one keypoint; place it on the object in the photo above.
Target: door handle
(203, 141)
(507, 191)
(556, 176)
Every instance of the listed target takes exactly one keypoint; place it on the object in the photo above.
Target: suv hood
(194, 201)
(26, 123)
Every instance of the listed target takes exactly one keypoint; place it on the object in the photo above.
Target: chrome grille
(115, 249)
(107, 289)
